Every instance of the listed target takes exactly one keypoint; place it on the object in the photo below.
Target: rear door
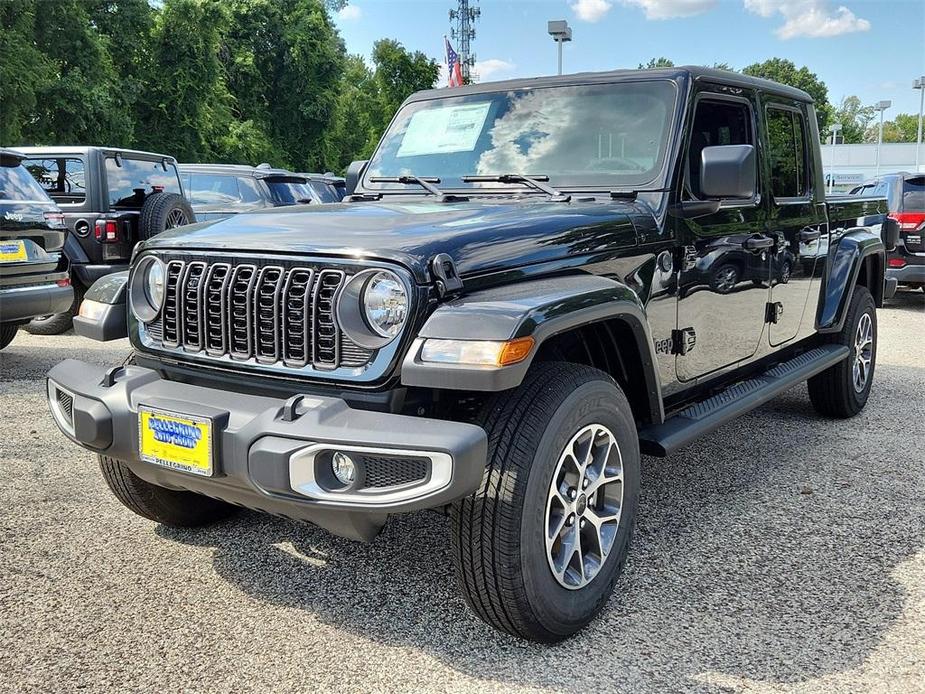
(796, 214)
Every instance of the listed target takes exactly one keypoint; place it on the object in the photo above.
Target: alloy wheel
(863, 352)
(584, 506)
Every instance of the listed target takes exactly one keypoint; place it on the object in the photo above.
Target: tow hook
(447, 279)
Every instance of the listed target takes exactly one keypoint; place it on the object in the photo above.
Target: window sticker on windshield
(443, 130)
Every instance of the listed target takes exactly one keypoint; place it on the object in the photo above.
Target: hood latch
(444, 271)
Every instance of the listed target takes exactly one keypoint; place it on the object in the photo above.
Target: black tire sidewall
(558, 609)
(155, 210)
(862, 303)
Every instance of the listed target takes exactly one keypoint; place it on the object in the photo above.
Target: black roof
(687, 72)
(64, 150)
(11, 154)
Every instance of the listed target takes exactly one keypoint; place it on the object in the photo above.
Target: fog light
(343, 467)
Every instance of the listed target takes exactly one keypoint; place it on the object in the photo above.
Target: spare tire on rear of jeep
(163, 211)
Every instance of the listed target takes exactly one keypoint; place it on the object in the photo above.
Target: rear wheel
(56, 323)
(7, 333)
(540, 545)
(725, 278)
(842, 390)
(168, 506)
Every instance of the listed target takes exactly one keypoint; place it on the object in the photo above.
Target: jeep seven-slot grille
(270, 314)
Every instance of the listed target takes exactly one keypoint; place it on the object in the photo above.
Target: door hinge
(683, 341)
(773, 312)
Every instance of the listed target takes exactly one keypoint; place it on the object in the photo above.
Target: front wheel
(7, 333)
(842, 390)
(540, 545)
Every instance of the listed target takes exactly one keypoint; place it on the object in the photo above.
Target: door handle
(756, 243)
(808, 235)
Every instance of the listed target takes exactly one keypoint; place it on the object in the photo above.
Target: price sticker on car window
(443, 130)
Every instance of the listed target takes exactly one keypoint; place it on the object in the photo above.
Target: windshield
(590, 136)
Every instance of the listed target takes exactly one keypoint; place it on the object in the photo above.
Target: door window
(716, 123)
(213, 189)
(787, 140)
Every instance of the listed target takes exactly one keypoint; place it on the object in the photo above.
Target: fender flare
(843, 265)
(105, 306)
(540, 309)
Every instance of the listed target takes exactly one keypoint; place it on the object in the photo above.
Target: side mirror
(728, 171)
(354, 171)
(889, 232)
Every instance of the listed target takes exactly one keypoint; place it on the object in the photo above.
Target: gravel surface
(784, 552)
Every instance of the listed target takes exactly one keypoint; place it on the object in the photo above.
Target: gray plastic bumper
(266, 448)
(24, 303)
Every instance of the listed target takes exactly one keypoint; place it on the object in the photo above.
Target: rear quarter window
(914, 194)
(130, 183)
(63, 178)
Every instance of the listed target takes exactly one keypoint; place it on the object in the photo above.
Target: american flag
(455, 78)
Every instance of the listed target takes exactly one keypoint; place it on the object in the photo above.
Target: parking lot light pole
(835, 128)
(920, 85)
(560, 32)
(880, 106)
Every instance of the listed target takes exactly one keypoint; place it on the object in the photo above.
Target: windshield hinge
(623, 195)
(447, 279)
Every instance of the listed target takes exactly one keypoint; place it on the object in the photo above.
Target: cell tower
(463, 18)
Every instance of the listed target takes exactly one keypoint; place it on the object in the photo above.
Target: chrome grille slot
(266, 314)
(325, 335)
(240, 311)
(297, 318)
(215, 308)
(170, 314)
(191, 306)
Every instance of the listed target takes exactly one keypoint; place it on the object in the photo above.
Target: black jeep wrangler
(111, 200)
(508, 309)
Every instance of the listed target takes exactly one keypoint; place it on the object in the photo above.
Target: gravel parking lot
(784, 552)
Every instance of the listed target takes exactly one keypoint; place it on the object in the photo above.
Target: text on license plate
(178, 441)
(12, 251)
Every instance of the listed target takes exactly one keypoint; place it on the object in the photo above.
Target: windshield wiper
(535, 182)
(426, 182)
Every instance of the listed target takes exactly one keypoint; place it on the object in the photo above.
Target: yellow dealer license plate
(12, 251)
(178, 441)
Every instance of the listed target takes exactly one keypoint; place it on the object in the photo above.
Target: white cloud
(350, 12)
(492, 67)
(671, 9)
(591, 10)
(809, 18)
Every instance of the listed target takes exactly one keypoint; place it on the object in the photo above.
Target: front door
(796, 220)
(726, 256)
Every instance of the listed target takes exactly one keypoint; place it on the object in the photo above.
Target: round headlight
(154, 284)
(146, 290)
(385, 304)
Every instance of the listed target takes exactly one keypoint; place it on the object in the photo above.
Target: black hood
(480, 236)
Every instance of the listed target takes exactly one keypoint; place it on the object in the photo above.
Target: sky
(870, 48)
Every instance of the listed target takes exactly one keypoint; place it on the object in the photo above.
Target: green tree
(656, 63)
(854, 119)
(25, 71)
(359, 120)
(83, 102)
(186, 109)
(399, 74)
(903, 128)
(786, 72)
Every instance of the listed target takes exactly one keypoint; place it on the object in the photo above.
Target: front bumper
(25, 303)
(267, 449)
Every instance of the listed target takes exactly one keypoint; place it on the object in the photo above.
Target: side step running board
(707, 415)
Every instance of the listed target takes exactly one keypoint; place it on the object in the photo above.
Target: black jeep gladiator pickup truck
(111, 198)
(507, 310)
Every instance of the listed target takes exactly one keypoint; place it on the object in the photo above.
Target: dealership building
(853, 164)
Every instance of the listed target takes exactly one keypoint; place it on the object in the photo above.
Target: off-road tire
(162, 211)
(498, 541)
(7, 333)
(167, 506)
(832, 392)
(56, 323)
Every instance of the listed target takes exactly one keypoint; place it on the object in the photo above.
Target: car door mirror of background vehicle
(354, 171)
(728, 171)
(889, 232)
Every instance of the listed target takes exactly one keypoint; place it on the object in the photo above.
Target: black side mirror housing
(728, 171)
(889, 232)
(354, 171)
